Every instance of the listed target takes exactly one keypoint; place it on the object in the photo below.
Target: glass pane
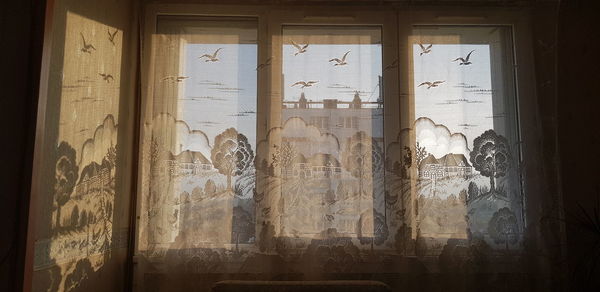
(326, 159)
(468, 185)
(201, 137)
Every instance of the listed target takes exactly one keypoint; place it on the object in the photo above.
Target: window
(294, 135)
(329, 73)
(466, 137)
(203, 129)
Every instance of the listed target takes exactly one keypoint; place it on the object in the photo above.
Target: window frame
(149, 26)
(397, 25)
(526, 112)
(268, 80)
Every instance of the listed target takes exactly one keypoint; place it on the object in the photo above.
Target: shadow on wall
(83, 236)
(81, 223)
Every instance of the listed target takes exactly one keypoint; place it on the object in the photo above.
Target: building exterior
(340, 118)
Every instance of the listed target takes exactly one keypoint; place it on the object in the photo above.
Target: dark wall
(21, 25)
(579, 137)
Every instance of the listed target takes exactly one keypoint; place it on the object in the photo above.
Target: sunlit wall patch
(81, 204)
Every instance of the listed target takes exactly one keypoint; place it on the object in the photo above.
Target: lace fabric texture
(334, 184)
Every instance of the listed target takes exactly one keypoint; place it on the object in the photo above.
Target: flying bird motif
(111, 36)
(301, 49)
(464, 61)
(304, 84)
(211, 58)
(340, 62)
(265, 64)
(425, 50)
(175, 78)
(87, 48)
(432, 84)
(106, 77)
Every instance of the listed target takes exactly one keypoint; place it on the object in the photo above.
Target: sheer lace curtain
(335, 185)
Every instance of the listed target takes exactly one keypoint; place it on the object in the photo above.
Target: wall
(21, 34)
(577, 116)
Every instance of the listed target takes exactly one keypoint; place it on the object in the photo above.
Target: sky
(337, 82)
(463, 103)
(223, 94)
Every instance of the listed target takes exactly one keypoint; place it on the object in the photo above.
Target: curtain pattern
(82, 189)
(329, 190)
